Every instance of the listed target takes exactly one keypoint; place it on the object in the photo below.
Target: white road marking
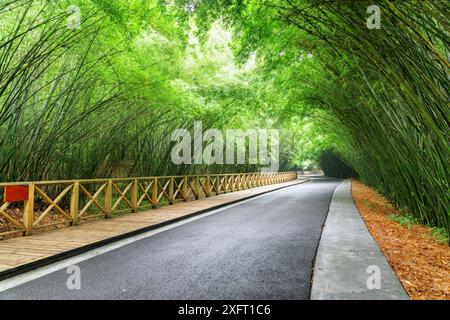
(43, 271)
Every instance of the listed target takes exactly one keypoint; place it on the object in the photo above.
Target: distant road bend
(260, 249)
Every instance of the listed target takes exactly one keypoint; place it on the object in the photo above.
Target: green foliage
(103, 99)
(406, 220)
(380, 97)
(334, 167)
(439, 234)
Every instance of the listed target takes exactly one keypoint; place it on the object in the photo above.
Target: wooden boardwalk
(19, 253)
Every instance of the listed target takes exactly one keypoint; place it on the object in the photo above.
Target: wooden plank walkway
(19, 253)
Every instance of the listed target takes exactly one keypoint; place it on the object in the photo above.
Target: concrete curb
(348, 259)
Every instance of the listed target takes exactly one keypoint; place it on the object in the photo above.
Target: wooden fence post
(28, 211)
(185, 189)
(108, 198)
(171, 198)
(134, 196)
(218, 185)
(155, 192)
(197, 187)
(208, 186)
(74, 202)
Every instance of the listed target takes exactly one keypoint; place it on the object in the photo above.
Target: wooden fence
(28, 206)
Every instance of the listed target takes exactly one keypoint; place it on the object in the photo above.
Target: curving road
(261, 249)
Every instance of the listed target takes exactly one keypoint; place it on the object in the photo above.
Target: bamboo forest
(93, 89)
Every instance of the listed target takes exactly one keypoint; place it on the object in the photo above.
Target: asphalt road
(261, 249)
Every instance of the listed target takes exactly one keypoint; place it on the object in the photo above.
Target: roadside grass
(408, 220)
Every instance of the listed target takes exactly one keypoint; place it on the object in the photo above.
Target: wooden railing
(28, 206)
